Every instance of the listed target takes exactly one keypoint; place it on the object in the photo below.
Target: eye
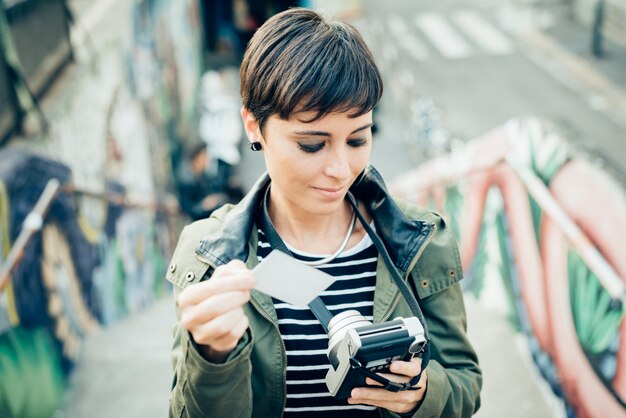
(358, 142)
(311, 148)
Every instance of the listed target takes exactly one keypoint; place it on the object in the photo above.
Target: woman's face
(313, 164)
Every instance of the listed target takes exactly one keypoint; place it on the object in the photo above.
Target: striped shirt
(305, 340)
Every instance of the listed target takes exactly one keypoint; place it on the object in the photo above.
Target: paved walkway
(125, 371)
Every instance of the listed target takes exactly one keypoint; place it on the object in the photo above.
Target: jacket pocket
(186, 267)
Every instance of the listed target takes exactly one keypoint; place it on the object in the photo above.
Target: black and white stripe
(306, 341)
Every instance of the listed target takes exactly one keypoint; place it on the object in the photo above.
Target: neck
(307, 231)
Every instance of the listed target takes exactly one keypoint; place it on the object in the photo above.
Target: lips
(330, 189)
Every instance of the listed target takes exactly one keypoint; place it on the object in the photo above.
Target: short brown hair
(301, 61)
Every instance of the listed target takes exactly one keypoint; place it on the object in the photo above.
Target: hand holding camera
(359, 351)
(212, 310)
(399, 402)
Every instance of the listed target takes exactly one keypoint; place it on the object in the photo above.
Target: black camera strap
(318, 308)
(322, 313)
(402, 286)
(408, 296)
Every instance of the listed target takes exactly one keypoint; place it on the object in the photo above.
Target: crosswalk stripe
(442, 35)
(482, 32)
(413, 46)
(397, 25)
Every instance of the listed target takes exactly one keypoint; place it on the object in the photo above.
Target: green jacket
(251, 383)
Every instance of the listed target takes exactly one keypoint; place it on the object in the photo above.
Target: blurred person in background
(220, 123)
(309, 85)
(249, 15)
(205, 184)
(230, 24)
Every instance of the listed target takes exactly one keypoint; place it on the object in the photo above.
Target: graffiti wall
(116, 122)
(543, 222)
(165, 64)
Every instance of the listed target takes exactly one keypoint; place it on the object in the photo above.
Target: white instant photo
(287, 279)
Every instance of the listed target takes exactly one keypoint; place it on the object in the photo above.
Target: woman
(308, 86)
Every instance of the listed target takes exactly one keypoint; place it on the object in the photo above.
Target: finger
(388, 405)
(213, 307)
(366, 395)
(407, 368)
(223, 302)
(370, 396)
(229, 270)
(403, 379)
(229, 341)
(198, 292)
(233, 266)
(395, 377)
(222, 326)
(375, 394)
(372, 382)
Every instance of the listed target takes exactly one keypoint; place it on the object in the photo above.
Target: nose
(338, 164)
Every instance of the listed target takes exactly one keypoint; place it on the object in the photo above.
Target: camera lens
(338, 326)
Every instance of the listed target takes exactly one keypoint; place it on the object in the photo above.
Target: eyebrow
(327, 134)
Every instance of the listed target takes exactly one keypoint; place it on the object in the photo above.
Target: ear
(251, 125)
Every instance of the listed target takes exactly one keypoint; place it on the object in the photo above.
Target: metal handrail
(607, 276)
(35, 219)
(31, 225)
(122, 200)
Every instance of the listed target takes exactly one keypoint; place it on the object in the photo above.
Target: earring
(256, 146)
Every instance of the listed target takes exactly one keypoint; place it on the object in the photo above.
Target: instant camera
(358, 349)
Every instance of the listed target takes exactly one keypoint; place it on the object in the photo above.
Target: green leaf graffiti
(597, 316)
(507, 264)
(32, 381)
(453, 208)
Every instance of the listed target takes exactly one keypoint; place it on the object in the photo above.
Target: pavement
(541, 67)
(125, 369)
(563, 50)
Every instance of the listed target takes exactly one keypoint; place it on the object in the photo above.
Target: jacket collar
(399, 234)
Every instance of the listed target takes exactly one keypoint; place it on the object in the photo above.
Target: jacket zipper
(406, 277)
(284, 352)
(206, 261)
(416, 258)
(264, 315)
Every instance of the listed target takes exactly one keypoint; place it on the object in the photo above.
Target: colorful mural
(165, 66)
(549, 220)
(65, 285)
(117, 126)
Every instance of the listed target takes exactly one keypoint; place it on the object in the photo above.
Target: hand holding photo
(285, 278)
